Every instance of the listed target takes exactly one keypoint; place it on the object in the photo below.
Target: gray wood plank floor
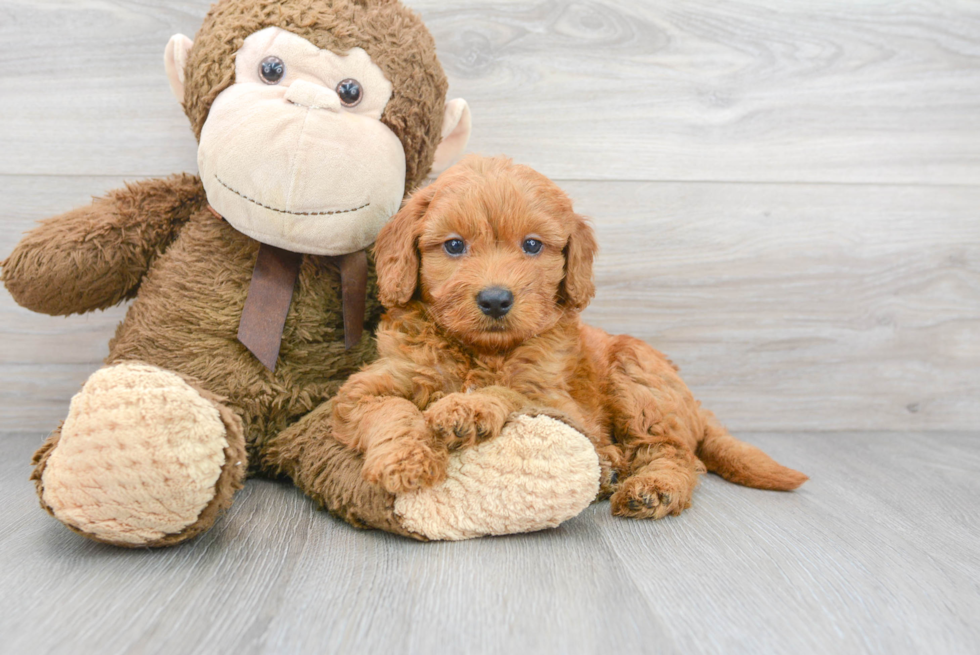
(878, 553)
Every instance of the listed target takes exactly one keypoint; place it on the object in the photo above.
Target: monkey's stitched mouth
(283, 211)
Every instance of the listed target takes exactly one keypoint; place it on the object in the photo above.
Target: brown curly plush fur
(189, 271)
(95, 257)
(449, 374)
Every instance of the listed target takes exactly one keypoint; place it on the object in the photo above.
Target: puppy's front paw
(405, 468)
(652, 495)
(462, 420)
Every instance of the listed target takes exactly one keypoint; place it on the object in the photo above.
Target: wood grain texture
(877, 554)
(828, 91)
(817, 307)
(798, 307)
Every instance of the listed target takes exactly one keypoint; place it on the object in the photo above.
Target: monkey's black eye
(350, 92)
(532, 246)
(271, 70)
(454, 247)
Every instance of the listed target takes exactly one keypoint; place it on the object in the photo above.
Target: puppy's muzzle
(495, 302)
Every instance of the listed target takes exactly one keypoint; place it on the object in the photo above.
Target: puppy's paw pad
(651, 496)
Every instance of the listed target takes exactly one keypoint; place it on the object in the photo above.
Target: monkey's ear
(396, 256)
(578, 287)
(175, 60)
(457, 124)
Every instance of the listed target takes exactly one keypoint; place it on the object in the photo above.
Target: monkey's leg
(537, 474)
(331, 473)
(658, 424)
(144, 458)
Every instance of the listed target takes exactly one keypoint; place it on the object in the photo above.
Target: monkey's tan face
(294, 153)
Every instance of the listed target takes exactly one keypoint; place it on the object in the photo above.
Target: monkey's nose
(495, 301)
(314, 96)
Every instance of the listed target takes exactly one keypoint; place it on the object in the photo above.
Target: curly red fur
(450, 374)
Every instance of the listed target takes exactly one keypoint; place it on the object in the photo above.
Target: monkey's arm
(94, 257)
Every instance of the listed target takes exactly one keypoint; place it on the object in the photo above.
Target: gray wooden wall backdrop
(787, 193)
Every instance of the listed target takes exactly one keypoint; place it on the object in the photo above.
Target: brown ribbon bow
(271, 291)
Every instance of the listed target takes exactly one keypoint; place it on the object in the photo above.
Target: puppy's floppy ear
(578, 287)
(396, 253)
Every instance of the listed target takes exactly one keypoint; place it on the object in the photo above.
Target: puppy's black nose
(495, 301)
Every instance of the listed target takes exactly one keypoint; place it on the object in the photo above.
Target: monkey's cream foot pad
(139, 456)
(538, 473)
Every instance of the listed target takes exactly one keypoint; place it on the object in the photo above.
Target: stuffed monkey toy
(251, 285)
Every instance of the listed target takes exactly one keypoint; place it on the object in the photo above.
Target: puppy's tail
(738, 462)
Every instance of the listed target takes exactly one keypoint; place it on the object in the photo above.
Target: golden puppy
(484, 273)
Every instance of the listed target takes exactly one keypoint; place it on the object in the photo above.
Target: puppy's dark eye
(272, 69)
(454, 247)
(532, 246)
(350, 92)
